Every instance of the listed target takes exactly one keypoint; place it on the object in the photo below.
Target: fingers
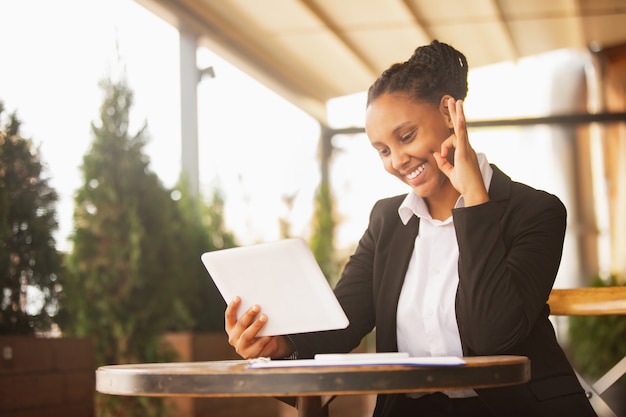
(254, 347)
(230, 315)
(457, 115)
(249, 345)
(443, 162)
(457, 140)
(464, 172)
(242, 332)
(452, 109)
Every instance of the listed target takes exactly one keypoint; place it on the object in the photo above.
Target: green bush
(597, 342)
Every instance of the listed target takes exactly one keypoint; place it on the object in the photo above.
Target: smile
(418, 170)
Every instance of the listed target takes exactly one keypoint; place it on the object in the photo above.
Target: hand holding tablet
(284, 279)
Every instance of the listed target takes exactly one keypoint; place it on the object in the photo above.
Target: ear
(445, 112)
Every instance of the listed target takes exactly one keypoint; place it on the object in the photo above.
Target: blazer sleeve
(509, 255)
(354, 292)
(365, 284)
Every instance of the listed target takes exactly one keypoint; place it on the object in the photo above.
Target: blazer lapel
(499, 192)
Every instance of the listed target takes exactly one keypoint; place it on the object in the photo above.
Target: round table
(311, 385)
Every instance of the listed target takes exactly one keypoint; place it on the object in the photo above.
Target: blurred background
(160, 129)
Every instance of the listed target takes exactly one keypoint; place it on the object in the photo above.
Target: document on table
(358, 359)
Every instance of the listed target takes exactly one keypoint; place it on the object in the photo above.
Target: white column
(189, 77)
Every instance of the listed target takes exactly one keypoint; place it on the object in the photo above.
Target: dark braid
(432, 71)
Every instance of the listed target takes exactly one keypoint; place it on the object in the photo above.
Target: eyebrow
(399, 127)
(394, 132)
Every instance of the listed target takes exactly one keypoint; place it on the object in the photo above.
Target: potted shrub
(597, 343)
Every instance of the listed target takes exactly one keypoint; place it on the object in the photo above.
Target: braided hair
(431, 72)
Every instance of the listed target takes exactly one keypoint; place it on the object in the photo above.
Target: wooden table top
(235, 379)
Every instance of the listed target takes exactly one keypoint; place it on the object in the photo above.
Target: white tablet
(284, 279)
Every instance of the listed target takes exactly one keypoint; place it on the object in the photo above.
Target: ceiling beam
(506, 30)
(338, 33)
(418, 19)
(235, 46)
(582, 28)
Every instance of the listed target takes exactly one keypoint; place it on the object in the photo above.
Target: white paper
(364, 356)
(358, 360)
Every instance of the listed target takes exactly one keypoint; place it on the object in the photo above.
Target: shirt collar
(415, 205)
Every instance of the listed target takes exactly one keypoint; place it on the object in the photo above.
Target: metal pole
(189, 78)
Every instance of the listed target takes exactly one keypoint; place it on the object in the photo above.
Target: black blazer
(509, 253)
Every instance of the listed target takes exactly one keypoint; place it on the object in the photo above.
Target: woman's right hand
(242, 334)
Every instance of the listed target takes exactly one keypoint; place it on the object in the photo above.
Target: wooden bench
(593, 301)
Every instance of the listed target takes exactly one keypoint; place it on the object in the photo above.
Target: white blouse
(426, 319)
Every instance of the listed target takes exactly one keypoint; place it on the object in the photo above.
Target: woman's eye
(407, 137)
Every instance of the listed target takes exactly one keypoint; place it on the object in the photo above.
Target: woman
(461, 266)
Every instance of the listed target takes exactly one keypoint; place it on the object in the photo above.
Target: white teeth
(416, 172)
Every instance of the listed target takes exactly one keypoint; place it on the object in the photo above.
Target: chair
(593, 301)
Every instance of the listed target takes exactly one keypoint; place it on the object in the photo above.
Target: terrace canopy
(310, 51)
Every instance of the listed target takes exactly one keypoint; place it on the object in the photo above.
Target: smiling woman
(461, 265)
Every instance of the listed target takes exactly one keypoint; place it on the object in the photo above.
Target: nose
(398, 159)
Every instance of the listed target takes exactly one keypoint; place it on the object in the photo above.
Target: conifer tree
(125, 264)
(30, 266)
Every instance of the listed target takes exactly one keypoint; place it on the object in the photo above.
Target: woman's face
(405, 133)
